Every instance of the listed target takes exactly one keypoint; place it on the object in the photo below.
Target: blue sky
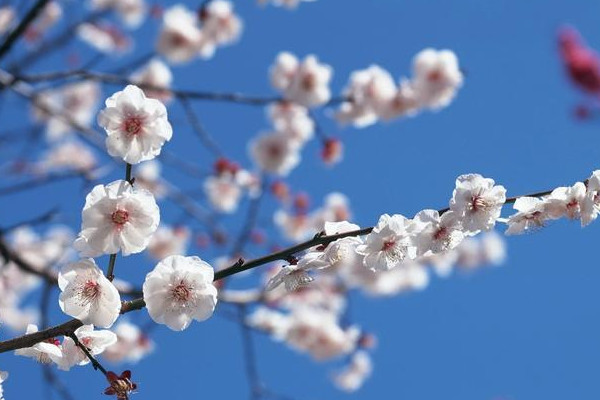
(529, 329)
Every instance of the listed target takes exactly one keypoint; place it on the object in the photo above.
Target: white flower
(283, 70)
(105, 38)
(132, 12)
(137, 127)
(353, 376)
(95, 341)
(219, 24)
(389, 243)
(437, 77)
(7, 19)
(292, 120)
(566, 201)
(531, 215)
(69, 154)
(117, 217)
(369, 90)
(178, 290)
(78, 101)
(131, 346)
(275, 153)
(435, 233)
(168, 241)
(590, 207)
(44, 352)
(157, 74)
(310, 84)
(180, 37)
(493, 248)
(296, 276)
(403, 103)
(223, 192)
(3, 376)
(318, 333)
(88, 295)
(477, 202)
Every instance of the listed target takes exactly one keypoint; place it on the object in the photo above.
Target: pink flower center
(120, 217)
(90, 290)
(441, 233)
(309, 82)
(181, 292)
(434, 76)
(274, 151)
(133, 125)
(478, 203)
(387, 245)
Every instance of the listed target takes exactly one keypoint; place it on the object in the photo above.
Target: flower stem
(111, 267)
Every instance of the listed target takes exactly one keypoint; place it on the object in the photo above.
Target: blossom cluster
(185, 34)
(372, 93)
(40, 253)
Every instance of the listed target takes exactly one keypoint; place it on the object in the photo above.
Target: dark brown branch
(95, 363)
(137, 304)
(22, 27)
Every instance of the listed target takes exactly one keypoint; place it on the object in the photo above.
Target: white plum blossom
(44, 352)
(148, 176)
(3, 377)
(409, 276)
(283, 70)
(318, 333)
(273, 322)
(180, 37)
(117, 217)
(132, 12)
(292, 120)
(368, 91)
(103, 37)
(354, 375)
(477, 201)
(137, 126)
(295, 227)
(436, 77)
(70, 154)
(566, 201)
(404, 102)
(531, 215)
(131, 345)
(87, 294)
(157, 75)
(435, 233)
(295, 276)
(223, 192)
(493, 248)
(305, 82)
(169, 241)
(95, 341)
(219, 23)
(310, 84)
(275, 153)
(590, 207)
(7, 19)
(389, 244)
(78, 101)
(178, 290)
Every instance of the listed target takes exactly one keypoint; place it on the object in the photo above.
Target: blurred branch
(12, 38)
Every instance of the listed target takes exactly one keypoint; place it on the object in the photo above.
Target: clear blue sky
(527, 330)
